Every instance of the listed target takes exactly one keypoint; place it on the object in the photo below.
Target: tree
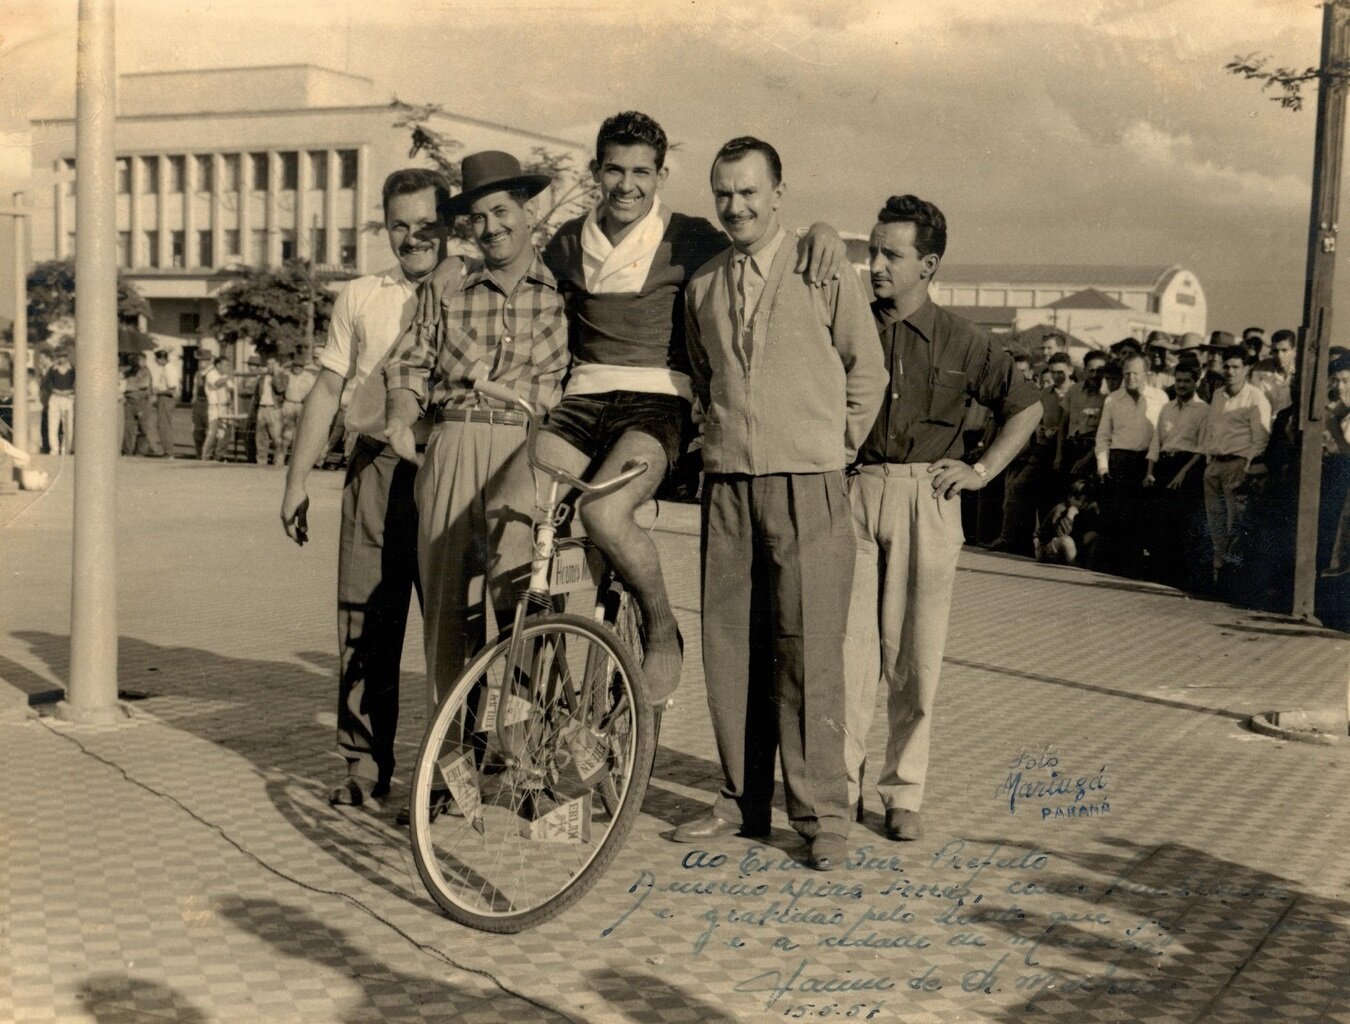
(51, 299)
(573, 191)
(271, 308)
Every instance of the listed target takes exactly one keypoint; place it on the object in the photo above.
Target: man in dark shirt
(905, 513)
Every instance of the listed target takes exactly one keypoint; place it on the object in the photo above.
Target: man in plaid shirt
(499, 319)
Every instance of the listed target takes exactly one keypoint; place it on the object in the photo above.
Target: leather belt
(504, 417)
(1227, 458)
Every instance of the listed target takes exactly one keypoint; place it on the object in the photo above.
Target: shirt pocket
(947, 396)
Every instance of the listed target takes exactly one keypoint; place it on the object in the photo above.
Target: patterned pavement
(183, 866)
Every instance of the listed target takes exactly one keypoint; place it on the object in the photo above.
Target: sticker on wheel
(517, 710)
(462, 781)
(566, 823)
(588, 748)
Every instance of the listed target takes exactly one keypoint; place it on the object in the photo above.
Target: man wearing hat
(499, 319)
(165, 379)
(377, 547)
(1212, 351)
(1161, 351)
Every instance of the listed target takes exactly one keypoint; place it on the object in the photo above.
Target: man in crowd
(268, 441)
(1124, 434)
(1212, 352)
(377, 548)
(219, 389)
(59, 382)
(905, 512)
(300, 378)
(622, 270)
(1278, 378)
(500, 319)
(1082, 412)
(790, 376)
(1254, 341)
(1161, 352)
(1237, 431)
(140, 433)
(1175, 476)
(1030, 475)
(165, 380)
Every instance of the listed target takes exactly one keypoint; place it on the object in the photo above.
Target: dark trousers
(377, 572)
(1178, 538)
(777, 572)
(140, 432)
(1023, 495)
(1125, 513)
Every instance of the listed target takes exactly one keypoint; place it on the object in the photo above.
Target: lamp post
(92, 695)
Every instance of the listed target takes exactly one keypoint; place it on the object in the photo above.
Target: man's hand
(400, 438)
(1177, 481)
(295, 514)
(1149, 479)
(951, 477)
(821, 254)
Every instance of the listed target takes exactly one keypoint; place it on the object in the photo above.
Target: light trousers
(908, 541)
(1225, 506)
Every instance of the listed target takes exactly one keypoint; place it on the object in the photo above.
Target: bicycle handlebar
(631, 470)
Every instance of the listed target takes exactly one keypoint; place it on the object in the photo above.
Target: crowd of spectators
(1172, 460)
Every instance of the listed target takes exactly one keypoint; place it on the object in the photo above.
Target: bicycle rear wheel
(506, 837)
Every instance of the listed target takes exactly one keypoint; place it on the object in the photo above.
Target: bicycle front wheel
(512, 824)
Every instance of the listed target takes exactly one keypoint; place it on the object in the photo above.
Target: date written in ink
(856, 1011)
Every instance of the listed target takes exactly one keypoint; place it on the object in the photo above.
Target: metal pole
(20, 420)
(92, 696)
(1315, 332)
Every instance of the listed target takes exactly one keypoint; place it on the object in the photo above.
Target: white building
(232, 167)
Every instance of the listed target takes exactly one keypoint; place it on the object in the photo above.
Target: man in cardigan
(622, 270)
(790, 376)
(910, 470)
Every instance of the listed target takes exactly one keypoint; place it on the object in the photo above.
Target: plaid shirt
(468, 329)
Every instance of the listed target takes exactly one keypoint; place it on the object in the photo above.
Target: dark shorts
(592, 423)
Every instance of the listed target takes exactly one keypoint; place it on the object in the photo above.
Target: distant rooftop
(1088, 298)
(1049, 274)
(248, 89)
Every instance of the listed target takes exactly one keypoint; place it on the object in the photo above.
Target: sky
(1091, 131)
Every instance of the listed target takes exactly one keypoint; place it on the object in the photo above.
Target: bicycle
(535, 763)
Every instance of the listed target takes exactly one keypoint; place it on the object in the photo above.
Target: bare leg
(610, 522)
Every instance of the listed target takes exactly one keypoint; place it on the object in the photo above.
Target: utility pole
(92, 696)
(1310, 386)
(19, 357)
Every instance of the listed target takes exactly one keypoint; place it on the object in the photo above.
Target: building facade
(223, 169)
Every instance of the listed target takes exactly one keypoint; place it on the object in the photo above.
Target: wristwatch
(981, 471)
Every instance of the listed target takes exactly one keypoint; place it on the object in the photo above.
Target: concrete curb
(1326, 727)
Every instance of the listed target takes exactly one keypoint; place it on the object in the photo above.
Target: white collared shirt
(1180, 427)
(1128, 423)
(369, 315)
(751, 272)
(1238, 424)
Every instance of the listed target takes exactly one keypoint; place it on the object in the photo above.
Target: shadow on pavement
(126, 999)
(1165, 932)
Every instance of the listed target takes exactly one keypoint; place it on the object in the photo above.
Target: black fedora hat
(493, 171)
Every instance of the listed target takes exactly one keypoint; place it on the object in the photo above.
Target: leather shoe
(903, 825)
(710, 826)
(827, 851)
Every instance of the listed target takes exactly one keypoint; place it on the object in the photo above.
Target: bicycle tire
(525, 835)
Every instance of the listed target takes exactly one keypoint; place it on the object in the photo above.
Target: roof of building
(1056, 275)
(1088, 298)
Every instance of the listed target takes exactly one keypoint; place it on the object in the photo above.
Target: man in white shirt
(269, 442)
(1237, 431)
(377, 553)
(219, 388)
(1175, 472)
(1129, 416)
(165, 380)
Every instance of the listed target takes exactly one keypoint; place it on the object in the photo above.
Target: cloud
(1180, 161)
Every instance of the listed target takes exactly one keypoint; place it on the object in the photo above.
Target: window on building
(177, 249)
(318, 169)
(257, 247)
(206, 172)
(287, 244)
(189, 323)
(177, 169)
(259, 173)
(124, 249)
(347, 247)
(318, 245)
(229, 163)
(347, 168)
(232, 242)
(123, 176)
(70, 177)
(204, 246)
(152, 248)
(290, 170)
(149, 175)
